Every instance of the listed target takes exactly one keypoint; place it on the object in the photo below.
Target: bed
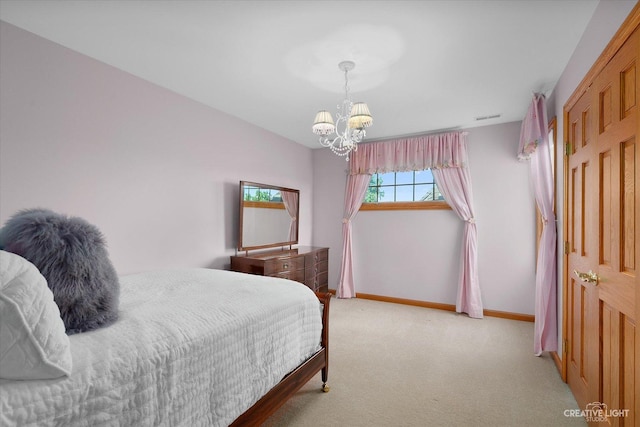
(191, 347)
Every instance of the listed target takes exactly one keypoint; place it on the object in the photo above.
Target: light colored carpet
(398, 365)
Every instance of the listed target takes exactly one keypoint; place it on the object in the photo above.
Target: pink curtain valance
(534, 127)
(446, 150)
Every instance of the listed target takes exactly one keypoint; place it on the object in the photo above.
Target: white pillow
(33, 342)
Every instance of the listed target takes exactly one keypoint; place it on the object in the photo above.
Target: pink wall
(415, 254)
(329, 177)
(506, 218)
(156, 172)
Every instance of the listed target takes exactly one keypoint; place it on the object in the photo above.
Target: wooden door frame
(620, 37)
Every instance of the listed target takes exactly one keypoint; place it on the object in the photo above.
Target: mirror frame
(241, 245)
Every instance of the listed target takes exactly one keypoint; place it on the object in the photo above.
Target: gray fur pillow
(71, 254)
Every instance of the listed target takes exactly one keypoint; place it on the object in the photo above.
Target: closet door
(582, 313)
(617, 210)
(604, 247)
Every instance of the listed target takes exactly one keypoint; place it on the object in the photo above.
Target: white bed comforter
(193, 347)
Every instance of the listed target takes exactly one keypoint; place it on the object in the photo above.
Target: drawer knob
(285, 266)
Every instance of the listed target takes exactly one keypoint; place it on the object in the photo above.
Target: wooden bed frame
(292, 382)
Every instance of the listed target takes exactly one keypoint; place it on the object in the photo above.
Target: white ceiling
(421, 66)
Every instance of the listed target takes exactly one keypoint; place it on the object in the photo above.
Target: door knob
(589, 277)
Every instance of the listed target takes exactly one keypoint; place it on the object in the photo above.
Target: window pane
(404, 193)
(371, 196)
(424, 192)
(438, 194)
(386, 178)
(386, 194)
(404, 177)
(424, 177)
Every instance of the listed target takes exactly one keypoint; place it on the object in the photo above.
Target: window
(403, 190)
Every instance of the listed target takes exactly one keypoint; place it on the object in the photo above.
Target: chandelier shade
(360, 116)
(323, 124)
(351, 121)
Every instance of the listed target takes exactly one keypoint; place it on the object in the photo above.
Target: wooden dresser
(305, 264)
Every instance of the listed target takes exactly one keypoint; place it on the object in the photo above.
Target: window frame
(405, 205)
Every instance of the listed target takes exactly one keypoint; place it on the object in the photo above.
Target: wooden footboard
(292, 382)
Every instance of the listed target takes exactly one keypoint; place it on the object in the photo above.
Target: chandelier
(349, 128)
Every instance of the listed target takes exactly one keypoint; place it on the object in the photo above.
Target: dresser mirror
(268, 216)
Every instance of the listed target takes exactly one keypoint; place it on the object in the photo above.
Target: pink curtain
(446, 155)
(534, 146)
(356, 187)
(455, 186)
(290, 200)
(447, 150)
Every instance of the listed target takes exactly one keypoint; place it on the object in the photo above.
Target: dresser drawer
(321, 255)
(323, 278)
(318, 257)
(308, 265)
(321, 267)
(318, 281)
(282, 265)
(315, 269)
(297, 275)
